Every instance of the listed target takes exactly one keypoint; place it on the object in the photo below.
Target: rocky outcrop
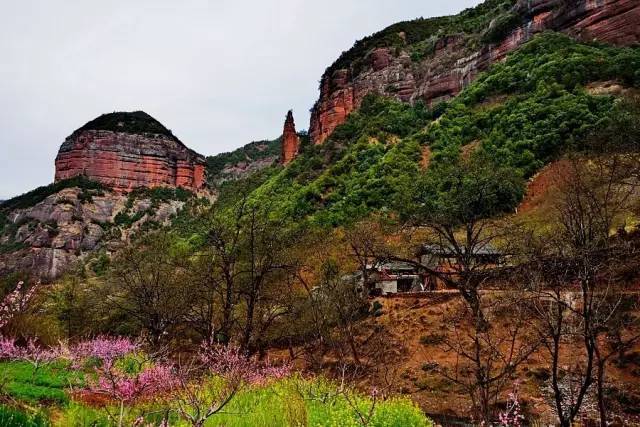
(46, 239)
(290, 140)
(454, 64)
(128, 151)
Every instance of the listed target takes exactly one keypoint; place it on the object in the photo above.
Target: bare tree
(147, 283)
(454, 205)
(487, 359)
(265, 261)
(594, 193)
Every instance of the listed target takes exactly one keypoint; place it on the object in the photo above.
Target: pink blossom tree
(512, 416)
(15, 302)
(103, 348)
(32, 353)
(126, 388)
(208, 384)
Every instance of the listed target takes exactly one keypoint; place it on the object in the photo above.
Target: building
(445, 259)
(394, 277)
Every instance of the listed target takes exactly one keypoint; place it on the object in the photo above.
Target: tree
(210, 382)
(238, 272)
(149, 283)
(15, 302)
(456, 206)
(594, 195)
(264, 262)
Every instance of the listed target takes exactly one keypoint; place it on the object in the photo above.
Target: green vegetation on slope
(251, 158)
(525, 111)
(360, 168)
(34, 197)
(250, 153)
(419, 36)
(519, 115)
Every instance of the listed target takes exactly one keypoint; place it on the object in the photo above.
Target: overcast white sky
(218, 73)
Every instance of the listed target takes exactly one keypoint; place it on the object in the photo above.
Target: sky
(218, 73)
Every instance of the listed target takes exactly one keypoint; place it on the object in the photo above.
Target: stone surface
(453, 65)
(125, 161)
(290, 140)
(64, 228)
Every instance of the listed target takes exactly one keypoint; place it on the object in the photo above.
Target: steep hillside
(44, 232)
(246, 160)
(243, 161)
(434, 59)
(520, 114)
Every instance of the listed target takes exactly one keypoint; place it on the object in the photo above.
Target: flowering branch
(15, 302)
(512, 416)
(200, 396)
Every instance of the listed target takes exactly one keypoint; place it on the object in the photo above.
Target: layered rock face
(290, 140)
(136, 156)
(70, 225)
(453, 65)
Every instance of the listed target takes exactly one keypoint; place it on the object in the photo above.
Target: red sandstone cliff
(453, 65)
(128, 151)
(290, 140)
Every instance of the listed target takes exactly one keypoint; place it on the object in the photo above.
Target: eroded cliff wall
(124, 157)
(455, 61)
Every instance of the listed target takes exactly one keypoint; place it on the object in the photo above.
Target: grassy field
(44, 397)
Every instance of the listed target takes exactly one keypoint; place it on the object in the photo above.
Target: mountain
(118, 175)
(432, 60)
(524, 112)
(48, 230)
(125, 151)
(243, 161)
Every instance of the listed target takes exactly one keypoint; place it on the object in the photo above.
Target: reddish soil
(542, 185)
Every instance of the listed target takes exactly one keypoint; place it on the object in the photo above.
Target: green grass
(290, 402)
(47, 384)
(11, 417)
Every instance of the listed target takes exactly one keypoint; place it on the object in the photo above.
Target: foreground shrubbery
(113, 382)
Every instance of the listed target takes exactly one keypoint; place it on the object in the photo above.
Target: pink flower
(8, 349)
(230, 363)
(512, 417)
(126, 388)
(15, 302)
(32, 353)
(104, 348)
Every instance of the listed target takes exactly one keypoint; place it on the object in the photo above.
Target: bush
(501, 27)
